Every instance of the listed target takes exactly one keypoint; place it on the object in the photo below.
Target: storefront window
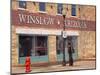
(25, 46)
(32, 45)
(41, 46)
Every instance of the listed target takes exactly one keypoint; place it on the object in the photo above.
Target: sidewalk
(78, 65)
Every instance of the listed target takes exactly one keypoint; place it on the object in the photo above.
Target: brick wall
(52, 48)
(14, 4)
(32, 6)
(86, 44)
(86, 12)
(14, 46)
(51, 8)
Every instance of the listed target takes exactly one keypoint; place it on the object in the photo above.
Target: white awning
(72, 33)
(45, 32)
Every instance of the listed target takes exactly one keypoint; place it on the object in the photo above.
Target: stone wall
(51, 8)
(88, 13)
(14, 46)
(86, 44)
(14, 4)
(52, 48)
(32, 6)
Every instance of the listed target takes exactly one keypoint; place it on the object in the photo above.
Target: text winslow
(42, 20)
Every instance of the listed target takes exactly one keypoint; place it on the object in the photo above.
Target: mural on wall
(49, 37)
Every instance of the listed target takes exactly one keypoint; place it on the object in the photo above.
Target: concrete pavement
(78, 65)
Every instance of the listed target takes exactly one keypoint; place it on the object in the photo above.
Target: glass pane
(42, 6)
(59, 44)
(73, 10)
(41, 46)
(25, 46)
(22, 4)
(59, 8)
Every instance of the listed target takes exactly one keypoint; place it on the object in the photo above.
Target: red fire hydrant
(27, 64)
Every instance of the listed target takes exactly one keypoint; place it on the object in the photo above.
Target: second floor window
(22, 4)
(73, 10)
(59, 8)
(42, 6)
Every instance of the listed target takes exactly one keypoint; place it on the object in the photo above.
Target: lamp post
(64, 37)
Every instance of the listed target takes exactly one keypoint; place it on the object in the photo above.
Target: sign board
(25, 18)
(64, 34)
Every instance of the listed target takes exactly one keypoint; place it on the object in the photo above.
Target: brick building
(37, 31)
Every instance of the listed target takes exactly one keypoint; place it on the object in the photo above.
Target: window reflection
(22, 4)
(41, 45)
(59, 44)
(32, 46)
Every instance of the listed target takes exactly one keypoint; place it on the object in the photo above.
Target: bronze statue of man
(70, 52)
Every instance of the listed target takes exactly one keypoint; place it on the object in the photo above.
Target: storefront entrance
(33, 46)
(74, 42)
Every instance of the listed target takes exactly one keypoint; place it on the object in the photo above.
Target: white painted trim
(42, 12)
(59, 14)
(45, 32)
(38, 31)
(22, 9)
(72, 33)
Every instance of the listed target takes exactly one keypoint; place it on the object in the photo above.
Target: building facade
(37, 31)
